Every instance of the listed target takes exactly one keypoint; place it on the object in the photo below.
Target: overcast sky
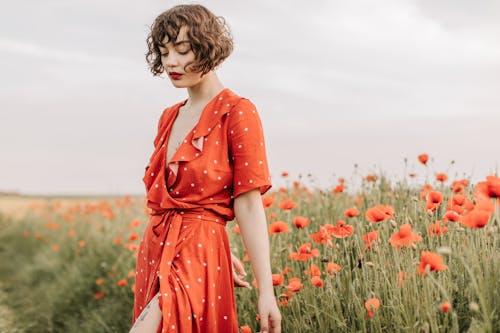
(336, 83)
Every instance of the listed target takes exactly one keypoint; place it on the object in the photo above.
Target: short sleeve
(247, 149)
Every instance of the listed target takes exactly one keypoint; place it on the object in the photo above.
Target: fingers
(238, 265)
(264, 328)
(240, 282)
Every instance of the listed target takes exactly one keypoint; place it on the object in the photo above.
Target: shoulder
(168, 112)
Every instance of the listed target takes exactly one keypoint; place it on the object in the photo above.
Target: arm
(251, 218)
(249, 213)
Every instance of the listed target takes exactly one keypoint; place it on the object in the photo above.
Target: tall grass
(51, 280)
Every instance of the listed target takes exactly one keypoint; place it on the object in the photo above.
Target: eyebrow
(176, 43)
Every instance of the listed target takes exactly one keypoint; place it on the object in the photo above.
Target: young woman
(208, 167)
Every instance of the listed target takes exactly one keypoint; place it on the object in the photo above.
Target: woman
(208, 167)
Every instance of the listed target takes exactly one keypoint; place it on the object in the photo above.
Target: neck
(207, 89)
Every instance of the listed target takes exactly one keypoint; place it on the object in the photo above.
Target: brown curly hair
(209, 36)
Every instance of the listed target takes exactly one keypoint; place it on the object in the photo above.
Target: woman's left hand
(239, 273)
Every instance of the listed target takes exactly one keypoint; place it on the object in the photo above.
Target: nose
(170, 61)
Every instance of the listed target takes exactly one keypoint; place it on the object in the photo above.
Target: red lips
(175, 75)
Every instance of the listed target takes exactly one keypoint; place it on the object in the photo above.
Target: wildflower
(305, 253)
(445, 307)
(404, 237)
(342, 230)
(122, 282)
(333, 268)
(294, 284)
(301, 222)
(98, 295)
(133, 237)
(287, 204)
(371, 178)
(369, 238)
(338, 189)
(316, 281)
(489, 188)
(245, 329)
(99, 281)
(277, 279)
(476, 218)
(441, 177)
(55, 247)
(267, 201)
(432, 260)
(379, 213)
(423, 158)
(351, 212)
(372, 305)
(434, 200)
(313, 270)
(436, 229)
(278, 227)
(236, 229)
(322, 236)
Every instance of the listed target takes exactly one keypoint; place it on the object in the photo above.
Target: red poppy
(433, 260)
(278, 227)
(305, 253)
(267, 201)
(404, 237)
(426, 188)
(351, 212)
(245, 329)
(423, 158)
(371, 178)
(287, 204)
(369, 238)
(451, 216)
(277, 279)
(342, 230)
(445, 307)
(441, 177)
(301, 222)
(490, 188)
(476, 218)
(316, 281)
(379, 213)
(436, 229)
(434, 200)
(294, 284)
(322, 236)
(313, 270)
(372, 305)
(332, 268)
(338, 189)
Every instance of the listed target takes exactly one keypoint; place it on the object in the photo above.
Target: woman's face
(175, 56)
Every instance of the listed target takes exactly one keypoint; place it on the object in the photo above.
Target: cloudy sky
(337, 84)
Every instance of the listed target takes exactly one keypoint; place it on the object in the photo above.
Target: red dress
(184, 253)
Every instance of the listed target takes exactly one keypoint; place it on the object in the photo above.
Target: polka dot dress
(184, 253)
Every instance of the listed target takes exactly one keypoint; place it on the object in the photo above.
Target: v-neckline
(177, 110)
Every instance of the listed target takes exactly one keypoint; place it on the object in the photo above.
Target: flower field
(388, 257)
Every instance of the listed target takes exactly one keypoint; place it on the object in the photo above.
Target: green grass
(53, 291)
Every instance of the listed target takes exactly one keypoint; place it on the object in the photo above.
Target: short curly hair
(209, 36)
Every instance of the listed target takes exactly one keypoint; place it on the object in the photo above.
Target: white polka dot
(246, 163)
(219, 297)
(188, 261)
(225, 317)
(156, 185)
(185, 168)
(218, 268)
(213, 231)
(215, 161)
(246, 129)
(187, 285)
(239, 146)
(219, 177)
(203, 300)
(199, 244)
(250, 181)
(205, 172)
(192, 184)
(199, 280)
(216, 142)
(152, 174)
(241, 112)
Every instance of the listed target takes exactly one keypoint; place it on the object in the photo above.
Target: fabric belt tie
(166, 227)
